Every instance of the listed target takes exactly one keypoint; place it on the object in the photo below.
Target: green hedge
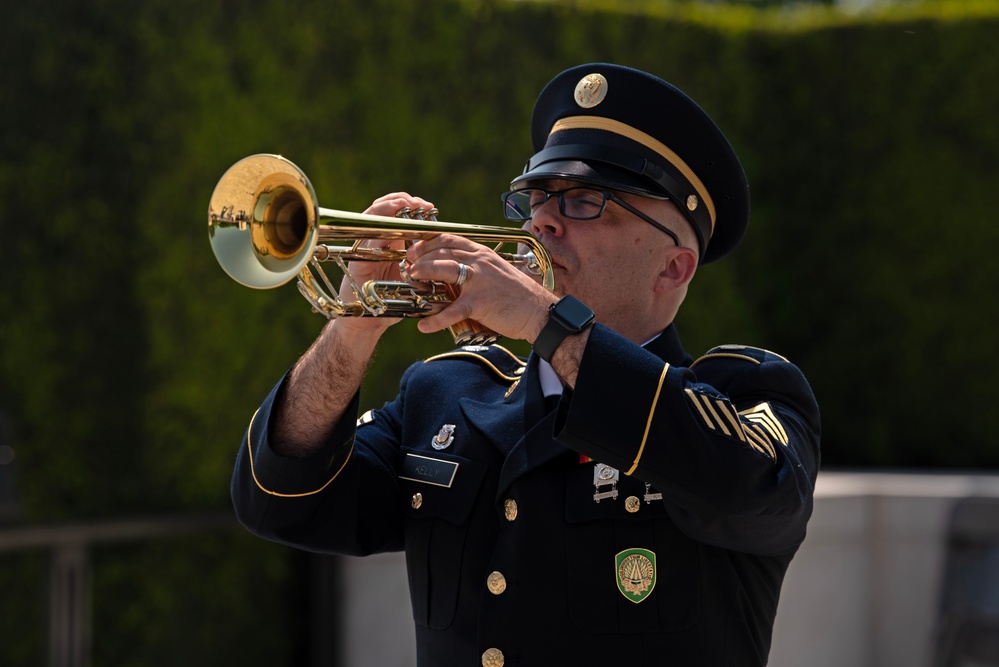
(131, 364)
(869, 145)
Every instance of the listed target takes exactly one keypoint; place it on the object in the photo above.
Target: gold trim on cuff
(648, 423)
(253, 472)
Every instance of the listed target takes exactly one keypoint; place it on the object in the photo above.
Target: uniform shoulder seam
(754, 355)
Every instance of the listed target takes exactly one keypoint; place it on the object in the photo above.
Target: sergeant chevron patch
(758, 426)
(765, 417)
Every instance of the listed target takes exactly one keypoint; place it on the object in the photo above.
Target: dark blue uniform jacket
(510, 559)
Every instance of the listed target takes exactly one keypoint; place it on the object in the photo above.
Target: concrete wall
(864, 590)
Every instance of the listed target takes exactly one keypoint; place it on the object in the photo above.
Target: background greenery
(130, 364)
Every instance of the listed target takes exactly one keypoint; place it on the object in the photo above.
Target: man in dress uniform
(646, 513)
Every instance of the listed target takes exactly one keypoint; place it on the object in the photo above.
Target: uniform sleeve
(315, 502)
(732, 442)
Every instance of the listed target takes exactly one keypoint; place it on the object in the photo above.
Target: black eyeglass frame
(607, 196)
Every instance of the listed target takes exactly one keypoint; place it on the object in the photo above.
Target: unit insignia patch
(636, 573)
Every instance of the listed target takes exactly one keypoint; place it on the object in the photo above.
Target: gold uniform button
(417, 501)
(510, 509)
(632, 504)
(492, 657)
(496, 583)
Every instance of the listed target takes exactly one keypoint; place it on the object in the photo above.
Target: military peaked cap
(621, 128)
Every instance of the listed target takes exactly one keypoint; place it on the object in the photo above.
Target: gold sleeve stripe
(697, 404)
(253, 472)
(647, 140)
(755, 435)
(452, 355)
(764, 415)
(723, 407)
(718, 420)
(648, 423)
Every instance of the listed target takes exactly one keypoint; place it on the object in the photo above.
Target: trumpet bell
(263, 221)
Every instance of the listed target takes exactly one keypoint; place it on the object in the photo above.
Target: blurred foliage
(869, 145)
(189, 599)
(130, 364)
(196, 605)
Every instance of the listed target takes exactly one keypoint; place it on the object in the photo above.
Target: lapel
(519, 427)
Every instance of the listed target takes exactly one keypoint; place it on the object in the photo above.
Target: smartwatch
(566, 317)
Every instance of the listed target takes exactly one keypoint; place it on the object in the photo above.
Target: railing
(70, 576)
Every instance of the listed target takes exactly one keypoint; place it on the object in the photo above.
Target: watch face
(572, 313)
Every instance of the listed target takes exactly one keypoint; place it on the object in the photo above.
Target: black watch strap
(566, 317)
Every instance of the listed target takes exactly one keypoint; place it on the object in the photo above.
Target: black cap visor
(617, 170)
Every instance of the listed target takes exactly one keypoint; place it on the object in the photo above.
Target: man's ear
(679, 270)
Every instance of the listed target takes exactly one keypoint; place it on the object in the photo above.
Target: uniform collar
(667, 347)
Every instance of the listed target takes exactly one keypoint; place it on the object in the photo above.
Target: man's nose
(548, 219)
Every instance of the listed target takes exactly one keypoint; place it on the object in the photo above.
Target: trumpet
(266, 229)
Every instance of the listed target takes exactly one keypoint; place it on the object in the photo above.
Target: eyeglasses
(576, 203)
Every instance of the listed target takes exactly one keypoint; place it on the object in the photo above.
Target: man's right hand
(363, 271)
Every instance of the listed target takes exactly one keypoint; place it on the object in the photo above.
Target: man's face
(610, 263)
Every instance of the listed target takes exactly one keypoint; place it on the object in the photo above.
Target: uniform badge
(591, 90)
(444, 438)
(603, 476)
(649, 495)
(636, 573)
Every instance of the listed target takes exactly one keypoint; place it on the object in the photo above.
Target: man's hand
(361, 271)
(495, 293)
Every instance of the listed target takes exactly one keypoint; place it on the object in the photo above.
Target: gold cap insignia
(591, 90)
(636, 573)
(692, 202)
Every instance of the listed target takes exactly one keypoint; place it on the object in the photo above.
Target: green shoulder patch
(636, 573)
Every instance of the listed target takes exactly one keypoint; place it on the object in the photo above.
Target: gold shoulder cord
(735, 355)
(648, 423)
(253, 472)
(728, 355)
(479, 357)
(510, 354)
